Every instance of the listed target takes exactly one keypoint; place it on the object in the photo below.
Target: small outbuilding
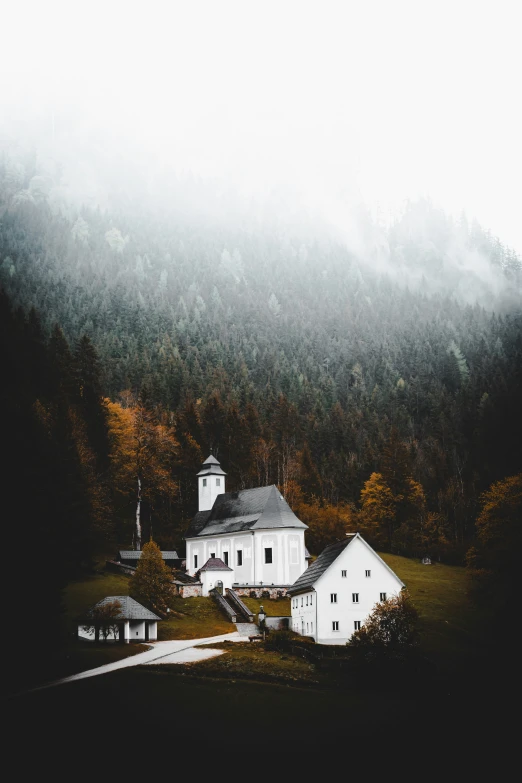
(215, 575)
(128, 622)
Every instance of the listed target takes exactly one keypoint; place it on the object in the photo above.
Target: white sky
(379, 100)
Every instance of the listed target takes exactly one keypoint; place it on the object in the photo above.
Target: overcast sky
(380, 101)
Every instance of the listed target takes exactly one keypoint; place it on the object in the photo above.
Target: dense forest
(379, 388)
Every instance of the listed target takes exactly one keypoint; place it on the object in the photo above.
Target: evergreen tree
(151, 585)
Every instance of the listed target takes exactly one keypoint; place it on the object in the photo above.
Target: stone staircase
(233, 607)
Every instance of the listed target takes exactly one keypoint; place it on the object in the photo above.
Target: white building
(133, 623)
(253, 531)
(215, 575)
(333, 598)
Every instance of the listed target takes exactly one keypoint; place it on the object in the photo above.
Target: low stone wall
(261, 591)
(190, 591)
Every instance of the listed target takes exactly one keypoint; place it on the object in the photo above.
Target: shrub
(280, 641)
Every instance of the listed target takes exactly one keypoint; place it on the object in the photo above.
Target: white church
(252, 540)
(253, 532)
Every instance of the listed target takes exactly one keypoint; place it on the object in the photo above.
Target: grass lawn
(194, 618)
(249, 661)
(449, 626)
(279, 607)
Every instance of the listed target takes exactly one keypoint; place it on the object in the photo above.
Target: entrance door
(219, 587)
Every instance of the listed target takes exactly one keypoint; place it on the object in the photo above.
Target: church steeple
(211, 483)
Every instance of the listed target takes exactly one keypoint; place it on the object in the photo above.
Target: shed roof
(215, 564)
(132, 554)
(130, 609)
(248, 509)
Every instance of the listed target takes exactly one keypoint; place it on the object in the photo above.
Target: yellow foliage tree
(143, 454)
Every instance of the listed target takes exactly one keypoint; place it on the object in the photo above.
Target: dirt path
(178, 651)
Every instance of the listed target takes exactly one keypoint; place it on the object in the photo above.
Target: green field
(449, 626)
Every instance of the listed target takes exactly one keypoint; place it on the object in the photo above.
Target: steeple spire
(211, 483)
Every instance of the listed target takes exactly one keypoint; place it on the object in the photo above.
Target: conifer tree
(152, 582)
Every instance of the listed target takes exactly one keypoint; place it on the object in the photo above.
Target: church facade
(253, 531)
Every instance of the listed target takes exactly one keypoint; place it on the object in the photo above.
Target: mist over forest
(256, 328)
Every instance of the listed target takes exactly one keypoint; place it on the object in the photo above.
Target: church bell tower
(211, 483)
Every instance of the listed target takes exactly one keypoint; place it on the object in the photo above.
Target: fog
(294, 108)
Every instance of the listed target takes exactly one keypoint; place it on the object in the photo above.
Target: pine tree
(152, 582)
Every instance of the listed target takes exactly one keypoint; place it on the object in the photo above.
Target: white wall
(288, 555)
(356, 559)
(209, 487)
(210, 578)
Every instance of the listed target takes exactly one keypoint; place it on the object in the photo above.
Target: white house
(253, 531)
(215, 574)
(333, 598)
(133, 622)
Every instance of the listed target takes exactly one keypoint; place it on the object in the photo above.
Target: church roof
(215, 564)
(248, 509)
(307, 580)
(130, 609)
(211, 467)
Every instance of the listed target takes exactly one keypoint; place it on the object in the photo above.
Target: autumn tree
(102, 620)
(151, 585)
(377, 515)
(143, 455)
(494, 559)
(392, 624)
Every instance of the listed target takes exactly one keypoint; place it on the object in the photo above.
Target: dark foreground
(145, 710)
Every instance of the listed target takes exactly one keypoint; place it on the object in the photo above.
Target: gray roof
(248, 509)
(211, 467)
(132, 554)
(307, 580)
(215, 564)
(130, 609)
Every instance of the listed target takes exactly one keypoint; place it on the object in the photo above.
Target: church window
(307, 600)
(355, 598)
(311, 627)
(302, 599)
(225, 557)
(307, 627)
(333, 598)
(311, 600)
(240, 557)
(335, 625)
(195, 561)
(212, 554)
(367, 573)
(218, 482)
(268, 554)
(357, 625)
(204, 482)
(383, 597)
(343, 573)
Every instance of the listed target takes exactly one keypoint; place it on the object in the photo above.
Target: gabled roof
(249, 509)
(130, 609)
(328, 556)
(215, 564)
(307, 580)
(132, 554)
(211, 467)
